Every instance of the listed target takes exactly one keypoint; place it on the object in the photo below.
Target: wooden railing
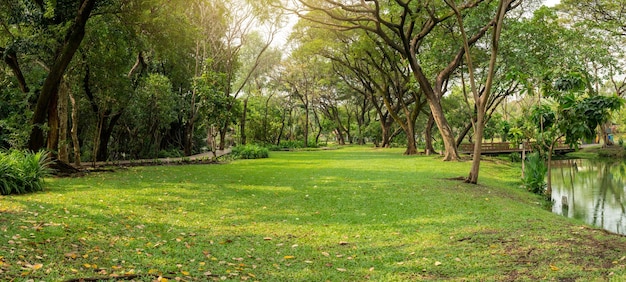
(505, 147)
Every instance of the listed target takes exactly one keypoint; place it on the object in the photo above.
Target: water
(591, 190)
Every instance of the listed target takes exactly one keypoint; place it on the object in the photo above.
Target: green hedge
(250, 152)
(23, 172)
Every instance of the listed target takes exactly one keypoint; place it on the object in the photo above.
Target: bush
(515, 157)
(535, 174)
(250, 152)
(22, 172)
(172, 153)
(290, 145)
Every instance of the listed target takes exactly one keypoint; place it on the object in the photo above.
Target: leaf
(71, 255)
(554, 268)
(438, 263)
(341, 269)
(37, 266)
(326, 254)
(289, 257)
(186, 273)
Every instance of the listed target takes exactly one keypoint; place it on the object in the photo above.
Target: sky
(551, 3)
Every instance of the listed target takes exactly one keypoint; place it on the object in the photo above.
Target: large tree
(417, 30)
(48, 20)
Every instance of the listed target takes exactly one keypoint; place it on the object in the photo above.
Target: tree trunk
(190, 126)
(223, 130)
(411, 148)
(479, 132)
(451, 153)
(282, 127)
(63, 122)
(53, 126)
(386, 133)
(306, 126)
(75, 141)
(243, 122)
(105, 132)
(429, 136)
(65, 53)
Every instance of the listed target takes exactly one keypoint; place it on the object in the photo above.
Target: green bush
(535, 174)
(290, 145)
(515, 157)
(22, 172)
(250, 152)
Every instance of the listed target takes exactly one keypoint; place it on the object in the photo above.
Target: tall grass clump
(23, 172)
(535, 174)
(250, 152)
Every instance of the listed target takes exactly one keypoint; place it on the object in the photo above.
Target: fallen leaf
(186, 273)
(343, 243)
(341, 269)
(438, 263)
(37, 266)
(554, 268)
(267, 238)
(326, 254)
(289, 257)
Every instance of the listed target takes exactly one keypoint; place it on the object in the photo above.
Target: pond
(591, 190)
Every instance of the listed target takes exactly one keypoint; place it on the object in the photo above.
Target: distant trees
(143, 79)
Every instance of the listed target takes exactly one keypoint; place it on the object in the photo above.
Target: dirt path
(204, 157)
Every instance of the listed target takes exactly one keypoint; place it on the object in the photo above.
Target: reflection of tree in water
(591, 190)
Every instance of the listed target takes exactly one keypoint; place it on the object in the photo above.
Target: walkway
(199, 158)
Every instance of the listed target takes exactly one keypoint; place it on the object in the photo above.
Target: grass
(352, 214)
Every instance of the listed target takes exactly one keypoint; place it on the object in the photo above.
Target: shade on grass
(345, 215)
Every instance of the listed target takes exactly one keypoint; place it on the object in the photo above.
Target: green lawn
(351, 214)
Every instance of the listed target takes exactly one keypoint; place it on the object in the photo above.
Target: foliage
(23, 172)
(515, 157)
(250, 152)
(218, 106)
(14, 116)
(535, 175)
(292, 144)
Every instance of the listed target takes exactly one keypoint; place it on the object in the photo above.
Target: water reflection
(591, 190)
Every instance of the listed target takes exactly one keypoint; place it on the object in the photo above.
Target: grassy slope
(346, 215)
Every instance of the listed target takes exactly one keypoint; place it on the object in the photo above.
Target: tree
(65, 46)
(412, 28)
(481, 98)
(574, 115)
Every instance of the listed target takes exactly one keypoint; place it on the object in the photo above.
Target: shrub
(515, 157)
(22, 172)
(250, 152)
(535, 174)
(290, 145)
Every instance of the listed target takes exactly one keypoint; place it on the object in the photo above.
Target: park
(312, 140)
